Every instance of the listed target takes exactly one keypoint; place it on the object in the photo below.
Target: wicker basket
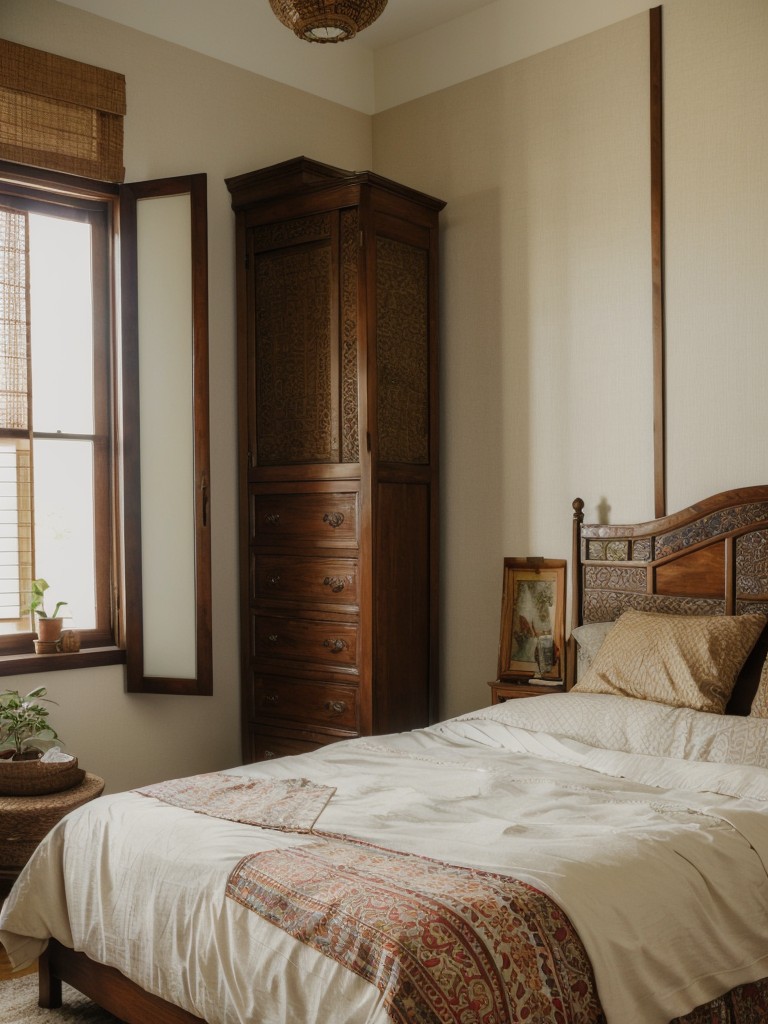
(25, 820)
(33, 778)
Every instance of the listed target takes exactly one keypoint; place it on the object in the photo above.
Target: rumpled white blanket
(648, 825)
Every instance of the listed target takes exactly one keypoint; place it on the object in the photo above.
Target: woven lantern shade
(327, 21)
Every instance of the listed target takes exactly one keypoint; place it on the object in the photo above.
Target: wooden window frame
(81, 199)
(137, 681)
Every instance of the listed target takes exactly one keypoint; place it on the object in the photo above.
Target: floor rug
(18, 1005)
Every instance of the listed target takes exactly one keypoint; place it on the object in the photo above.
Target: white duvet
(647, 824)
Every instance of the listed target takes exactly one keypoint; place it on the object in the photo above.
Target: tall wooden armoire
(338, 436)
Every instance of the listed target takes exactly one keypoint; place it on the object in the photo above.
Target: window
(57, 426)
(72, 424)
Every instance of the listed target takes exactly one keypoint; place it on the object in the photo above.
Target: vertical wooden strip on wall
(657, 260)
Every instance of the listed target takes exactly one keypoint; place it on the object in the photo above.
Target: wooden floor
(5, 968)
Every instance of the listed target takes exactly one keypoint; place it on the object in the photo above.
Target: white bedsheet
(660, 862)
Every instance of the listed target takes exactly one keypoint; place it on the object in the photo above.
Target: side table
(502, 690)
(25, 820)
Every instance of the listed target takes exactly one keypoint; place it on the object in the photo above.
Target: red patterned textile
(444, 944)
(747, 1004)
(290, 805)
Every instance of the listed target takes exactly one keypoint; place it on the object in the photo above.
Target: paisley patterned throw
(743, 1005)
(442, 943)
(290, 805)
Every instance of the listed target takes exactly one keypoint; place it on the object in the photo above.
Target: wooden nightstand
(506, 690)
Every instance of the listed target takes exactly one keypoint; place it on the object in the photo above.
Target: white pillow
(589, 639)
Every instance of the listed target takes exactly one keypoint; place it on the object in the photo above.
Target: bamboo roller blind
(60, 114)
(15, 447)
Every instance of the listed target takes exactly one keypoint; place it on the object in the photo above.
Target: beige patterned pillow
(759, 707)
(686, 661)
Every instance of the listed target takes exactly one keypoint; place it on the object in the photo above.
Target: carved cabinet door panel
(303, 353)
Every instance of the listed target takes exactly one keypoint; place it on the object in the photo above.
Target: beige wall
(717, 235)
(546, 359)
(186, 113)
(546, 315)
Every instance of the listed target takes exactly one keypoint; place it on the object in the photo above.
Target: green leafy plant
(24, 722)
(37, 604)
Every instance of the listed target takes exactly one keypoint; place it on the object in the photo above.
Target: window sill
(88, 657)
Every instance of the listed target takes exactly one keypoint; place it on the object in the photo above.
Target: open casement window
(103, 434)
(126, 543)
(165, 436)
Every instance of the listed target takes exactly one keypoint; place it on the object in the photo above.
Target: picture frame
(533, 610)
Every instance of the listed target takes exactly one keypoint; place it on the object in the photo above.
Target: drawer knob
(273, 638)
(273, 580)
(336, 707)
(334, 519)
(270, 698)
(268, 754)
(335, 645)
(336, 583)
(272, 518)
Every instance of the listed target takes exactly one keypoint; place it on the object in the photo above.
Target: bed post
(49, 986)
(576, 591)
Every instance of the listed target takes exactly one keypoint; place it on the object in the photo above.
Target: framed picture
(533, 619)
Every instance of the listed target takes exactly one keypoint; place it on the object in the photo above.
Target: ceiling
(415, 47)
(404, 18)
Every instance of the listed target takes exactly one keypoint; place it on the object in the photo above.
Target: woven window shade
(60, 114)
(15, 451)
(14, 322)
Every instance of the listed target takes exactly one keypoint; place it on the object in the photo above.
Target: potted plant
(25, 733)
(24, 727)
(48, 626)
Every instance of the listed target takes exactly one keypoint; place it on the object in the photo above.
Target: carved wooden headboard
(709, 559)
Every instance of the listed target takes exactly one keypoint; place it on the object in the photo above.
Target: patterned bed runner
(442, 943)
(747, 1004)
(290, 805)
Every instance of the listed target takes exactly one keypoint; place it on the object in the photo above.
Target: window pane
(64, 527)
(62, 325)
(15, 535)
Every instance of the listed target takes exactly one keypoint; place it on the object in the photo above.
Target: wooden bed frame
(105, 986)
(709, 559)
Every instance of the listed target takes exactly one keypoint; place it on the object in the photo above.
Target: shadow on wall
(485, 417)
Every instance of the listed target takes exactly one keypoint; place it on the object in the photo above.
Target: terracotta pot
(49, 630)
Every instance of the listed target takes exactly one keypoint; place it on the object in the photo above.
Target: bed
(580, 857)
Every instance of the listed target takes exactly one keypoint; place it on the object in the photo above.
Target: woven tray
(32, 778)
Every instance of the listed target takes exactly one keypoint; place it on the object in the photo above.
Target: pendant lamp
(327, 21)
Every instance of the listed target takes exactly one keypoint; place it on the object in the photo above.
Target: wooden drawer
(313, 705)
(323, 642)
(502, 691)
(320, 518)
(307, 579)
(265, 746)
